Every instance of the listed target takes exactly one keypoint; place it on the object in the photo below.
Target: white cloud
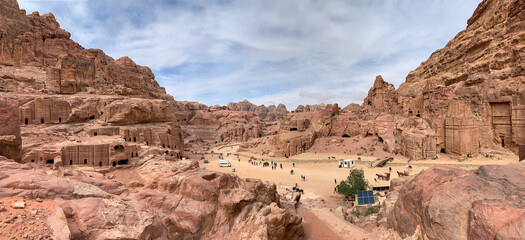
(294, 52)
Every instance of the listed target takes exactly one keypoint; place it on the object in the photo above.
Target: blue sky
(269, 52)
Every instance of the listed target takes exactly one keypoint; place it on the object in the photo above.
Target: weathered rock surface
(10, 138)
(270, 113)
(451, 203)
(178, 200)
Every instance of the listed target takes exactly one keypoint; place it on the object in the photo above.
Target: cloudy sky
(267, 51)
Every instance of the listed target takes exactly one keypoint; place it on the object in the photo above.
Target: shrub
(206, 161)
(371, 210)
(356, 213)
(354, 182)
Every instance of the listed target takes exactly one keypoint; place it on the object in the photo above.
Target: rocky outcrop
(451, 203)
(270, 113)
(294, 123)
(130, 111)
(415, 139)
(178, 200)
(10, 138)
(382, 97)
(238, 126)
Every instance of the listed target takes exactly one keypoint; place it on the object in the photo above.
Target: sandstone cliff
(270, 113)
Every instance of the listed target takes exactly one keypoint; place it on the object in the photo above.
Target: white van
(224, 163)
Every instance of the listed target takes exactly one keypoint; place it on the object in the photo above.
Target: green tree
(354, 182)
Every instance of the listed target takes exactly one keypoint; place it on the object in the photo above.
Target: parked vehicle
(224, 163)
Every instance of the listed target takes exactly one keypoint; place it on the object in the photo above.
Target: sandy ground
(322, 173)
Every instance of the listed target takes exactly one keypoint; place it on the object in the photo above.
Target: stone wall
(461, 130)
(89, 155)
(10, 139)
(171, 137)
(518, 119)
(44, 110)
(99, 155)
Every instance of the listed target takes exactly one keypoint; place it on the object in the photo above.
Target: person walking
(390, 169)
(335, 180)
(281, 166)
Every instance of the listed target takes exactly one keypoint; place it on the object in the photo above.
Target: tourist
(293, 164)
(335, 189)
(335, 180)
(390, 169)
(281, 166)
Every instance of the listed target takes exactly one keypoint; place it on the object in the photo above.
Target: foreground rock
(178, 201)
(451, 203)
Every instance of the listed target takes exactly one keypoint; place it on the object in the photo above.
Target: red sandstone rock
(270, 113)
(10, 139)
(450, 203)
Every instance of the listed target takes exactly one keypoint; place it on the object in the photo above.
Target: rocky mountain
(37, 56)
(270, 113)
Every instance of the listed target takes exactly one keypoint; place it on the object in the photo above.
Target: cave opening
(114, 164)
(92, 117)
(134, 139)
(123, 162)
(100, 164)
(502, 142)
(26, 121)
(442, 150)
(95, 134)
(50, 161)
(70, 162)
(293, 129)
(345, 135)
(59, 120)
(41, 120)
(85, 161)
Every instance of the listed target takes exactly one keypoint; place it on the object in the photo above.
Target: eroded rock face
(131, 111)
(480, 66)
(382, 96)
(270, 113)
(10, 138)
(178, 200)
(451, 203)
